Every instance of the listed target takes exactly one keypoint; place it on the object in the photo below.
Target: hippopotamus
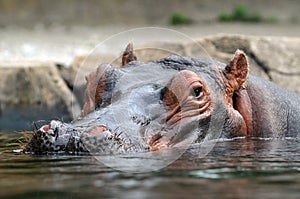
(149, 106)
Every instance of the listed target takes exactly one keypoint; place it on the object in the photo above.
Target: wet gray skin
(131, 115)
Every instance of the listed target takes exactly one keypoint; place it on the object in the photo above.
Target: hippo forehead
(161, 71)
(188, 63)
(179, 63)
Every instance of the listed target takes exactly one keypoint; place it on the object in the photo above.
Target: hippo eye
(196, 92)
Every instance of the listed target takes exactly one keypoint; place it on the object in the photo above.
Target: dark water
(233, 169)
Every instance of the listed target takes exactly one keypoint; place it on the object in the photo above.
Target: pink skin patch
(97, 130)
(158, 146)
(45, 128)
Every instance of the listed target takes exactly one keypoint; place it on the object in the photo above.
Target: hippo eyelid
(196, 92)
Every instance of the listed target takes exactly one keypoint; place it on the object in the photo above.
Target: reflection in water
(233, 169)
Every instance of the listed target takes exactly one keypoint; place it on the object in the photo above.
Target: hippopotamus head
(154, 105)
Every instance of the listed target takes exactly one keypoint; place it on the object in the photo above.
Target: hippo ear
(237, 70)
(128, 55)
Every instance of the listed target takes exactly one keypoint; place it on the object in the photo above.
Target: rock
(222, 48)
(32, 91)
(280, 57)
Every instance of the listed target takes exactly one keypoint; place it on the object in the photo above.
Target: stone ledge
(30, 92)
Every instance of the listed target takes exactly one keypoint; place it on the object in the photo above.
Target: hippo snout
(56, 136)
(60, 137)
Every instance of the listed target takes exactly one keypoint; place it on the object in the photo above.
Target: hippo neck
(275, 110)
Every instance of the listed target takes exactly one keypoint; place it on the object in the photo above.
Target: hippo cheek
(182, 129)
(193, 110)
(182, 133)
(188, 104)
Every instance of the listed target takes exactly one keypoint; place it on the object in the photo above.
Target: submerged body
(161, 104)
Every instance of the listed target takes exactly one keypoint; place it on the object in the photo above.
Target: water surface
(233, 169)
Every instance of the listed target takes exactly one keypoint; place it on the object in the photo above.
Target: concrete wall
(28, 13)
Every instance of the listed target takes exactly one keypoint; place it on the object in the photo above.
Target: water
(233, 169)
